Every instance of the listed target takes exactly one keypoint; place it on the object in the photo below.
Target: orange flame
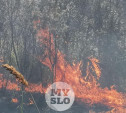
(86, 88)
(14, 100)
(8, 85)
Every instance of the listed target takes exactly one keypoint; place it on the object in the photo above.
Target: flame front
(86, 87)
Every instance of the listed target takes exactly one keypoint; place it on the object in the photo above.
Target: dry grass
(17, 74)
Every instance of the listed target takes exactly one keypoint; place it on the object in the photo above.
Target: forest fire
(81, 43)
(87, 88)
(8, 85)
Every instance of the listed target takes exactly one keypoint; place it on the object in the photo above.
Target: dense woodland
(85, 28)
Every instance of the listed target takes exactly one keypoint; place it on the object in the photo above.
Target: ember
(14, 100)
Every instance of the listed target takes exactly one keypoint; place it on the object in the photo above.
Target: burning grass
(87, 88)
